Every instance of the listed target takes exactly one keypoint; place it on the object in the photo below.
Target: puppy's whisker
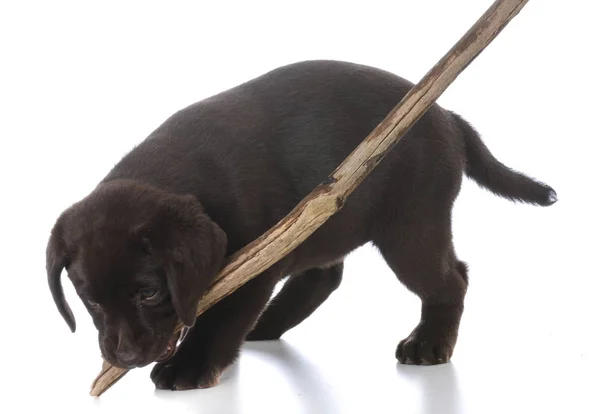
(183, 333)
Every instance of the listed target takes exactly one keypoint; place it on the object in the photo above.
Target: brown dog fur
(144, 245)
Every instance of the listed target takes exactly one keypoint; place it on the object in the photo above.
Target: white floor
(81, 86)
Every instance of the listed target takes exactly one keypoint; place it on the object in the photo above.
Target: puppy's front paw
(419, 349)
(184, 374)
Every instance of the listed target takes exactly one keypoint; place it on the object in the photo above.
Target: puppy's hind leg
(299, 297)
(421, 254)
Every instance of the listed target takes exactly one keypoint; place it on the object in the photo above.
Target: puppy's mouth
(172, 345)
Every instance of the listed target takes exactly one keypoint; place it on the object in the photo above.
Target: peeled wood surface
(329, 197)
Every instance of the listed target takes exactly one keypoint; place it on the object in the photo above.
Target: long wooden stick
(329, 197)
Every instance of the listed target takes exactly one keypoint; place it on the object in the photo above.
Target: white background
(82, 82)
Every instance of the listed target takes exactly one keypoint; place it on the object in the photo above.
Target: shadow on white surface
(438, 387)
(304, 377)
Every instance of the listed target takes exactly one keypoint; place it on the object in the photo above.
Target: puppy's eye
(148, 294)
(93, 305)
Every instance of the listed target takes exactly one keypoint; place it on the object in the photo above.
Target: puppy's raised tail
(488, 172)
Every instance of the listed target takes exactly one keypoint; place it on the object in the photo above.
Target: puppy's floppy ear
(193, 249)
(56, 261)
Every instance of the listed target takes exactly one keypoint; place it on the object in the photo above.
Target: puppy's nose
(128, 357)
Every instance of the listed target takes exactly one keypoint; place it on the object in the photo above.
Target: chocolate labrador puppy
(143, 247)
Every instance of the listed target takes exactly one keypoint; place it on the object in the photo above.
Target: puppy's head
(140, 260)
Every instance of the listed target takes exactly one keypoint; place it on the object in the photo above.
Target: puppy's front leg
(214, 342)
